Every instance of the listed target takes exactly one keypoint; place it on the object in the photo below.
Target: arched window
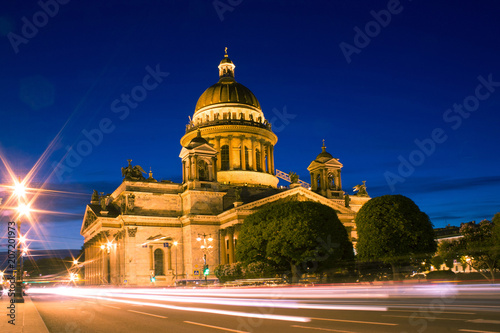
(258, 161)
(247, 163)
(159, 262)
(266, 166)
(224, 157)
(318, 182)
(202, 170)
(331, 180)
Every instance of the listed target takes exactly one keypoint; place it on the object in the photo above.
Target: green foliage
(229, 272)
(496, 234)
(392, 229)
(254, 270)
(449, 251)
(47, 266)
(437, 261)
(299, 236)
(480, 246)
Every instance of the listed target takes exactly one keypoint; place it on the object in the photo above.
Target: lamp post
(108, 246)
(22, 209)
(205, 248)
(176, 249)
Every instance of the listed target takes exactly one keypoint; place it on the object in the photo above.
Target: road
(384, 308)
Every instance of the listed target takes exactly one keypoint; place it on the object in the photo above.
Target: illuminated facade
(169, 231)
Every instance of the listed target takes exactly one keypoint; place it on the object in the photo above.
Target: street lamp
(176, 249)
(204, 247)
(23, 209)
(108, 246)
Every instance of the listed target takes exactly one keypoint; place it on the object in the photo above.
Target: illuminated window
(257, 157)
(266, 166)
(203, 170)
(224, 157)
(247, 163)
(158, 254)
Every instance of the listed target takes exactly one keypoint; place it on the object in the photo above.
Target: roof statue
(133, 172)
(294, 178)
(237, 194)
(347, 200)
(103, 199)
(361, 189)
(95, 197)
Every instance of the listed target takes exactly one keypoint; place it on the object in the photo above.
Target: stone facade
(169, 231)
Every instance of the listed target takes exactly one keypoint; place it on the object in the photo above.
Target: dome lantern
(226, 67)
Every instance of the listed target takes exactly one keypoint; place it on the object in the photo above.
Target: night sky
(406, 94)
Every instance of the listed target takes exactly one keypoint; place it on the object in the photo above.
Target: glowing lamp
(23, 209)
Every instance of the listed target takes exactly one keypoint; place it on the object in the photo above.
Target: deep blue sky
(395, 90)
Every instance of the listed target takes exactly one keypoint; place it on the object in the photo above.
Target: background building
(169, 231)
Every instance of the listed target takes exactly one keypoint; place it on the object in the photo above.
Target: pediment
(330, 164)
(298, 194)
(88, 219)
(204, 149)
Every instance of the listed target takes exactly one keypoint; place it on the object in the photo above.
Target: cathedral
(163, 233)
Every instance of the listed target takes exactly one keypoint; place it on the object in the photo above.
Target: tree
(294, 235)
(496, 235)
(393, 230)
(449, 251)
(479, 246)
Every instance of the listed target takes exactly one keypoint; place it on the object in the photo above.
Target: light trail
(284, 304)
(68, 292)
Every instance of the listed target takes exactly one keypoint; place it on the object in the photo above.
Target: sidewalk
(28, 319)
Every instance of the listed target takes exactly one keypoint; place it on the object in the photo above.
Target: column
(217, 147)
(196, 173)
(269, 159)
(86, 254)
(93, 264)
(271, 148)
(230, 233)
(189, 169)
(151, 258)
(262, 156)
(324, 180)
(222, 245)
(183, 171)
(242, 153)
(169, 258)
(254, 154)
(215, 168)
(313, 183)
(231, 158)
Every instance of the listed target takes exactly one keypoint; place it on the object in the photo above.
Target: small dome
(324, 155)
(196, 141)
(226, 60)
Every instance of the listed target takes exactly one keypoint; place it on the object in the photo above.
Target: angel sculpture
(361, 189)
(133, 172)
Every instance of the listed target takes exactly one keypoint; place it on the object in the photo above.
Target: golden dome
(227, 90)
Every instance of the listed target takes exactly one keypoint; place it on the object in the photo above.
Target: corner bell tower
(325, 175)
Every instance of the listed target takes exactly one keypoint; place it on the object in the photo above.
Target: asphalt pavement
(381, 308)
